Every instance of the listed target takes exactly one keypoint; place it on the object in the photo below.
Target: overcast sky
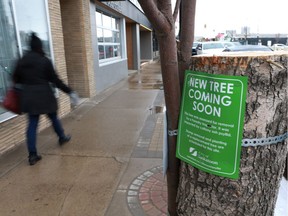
(262, 16)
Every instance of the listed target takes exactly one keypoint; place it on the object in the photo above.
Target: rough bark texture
(172, 99)
(187, 20)
(176, 9)
(261, 168)
(159, 12)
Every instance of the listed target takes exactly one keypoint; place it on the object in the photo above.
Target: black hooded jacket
(35, 73)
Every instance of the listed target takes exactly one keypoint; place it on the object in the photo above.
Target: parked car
(194, 51)
(230, 44)
(214, 47)
(279, 47)
(243, 48)
(211, 47)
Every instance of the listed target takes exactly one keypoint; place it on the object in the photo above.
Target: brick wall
(78, 46)
(59, 52)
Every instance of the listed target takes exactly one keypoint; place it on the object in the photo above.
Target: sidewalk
(112, 166)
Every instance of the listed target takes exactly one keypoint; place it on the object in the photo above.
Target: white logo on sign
(192, 150)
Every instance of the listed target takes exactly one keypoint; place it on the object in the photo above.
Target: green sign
(211, 122)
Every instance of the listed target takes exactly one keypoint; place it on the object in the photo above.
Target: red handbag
(11, 101)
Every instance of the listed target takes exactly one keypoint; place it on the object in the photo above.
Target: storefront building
(92, 44)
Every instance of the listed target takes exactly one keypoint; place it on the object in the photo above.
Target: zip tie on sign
(172, 132)
(264, 141)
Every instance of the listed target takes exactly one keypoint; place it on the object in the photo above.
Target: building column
(78, 46)
(136, 46)
(146, 45)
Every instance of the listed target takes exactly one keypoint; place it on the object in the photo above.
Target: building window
(17, 20)
(108, 37)
(9, 52)
(32, 16)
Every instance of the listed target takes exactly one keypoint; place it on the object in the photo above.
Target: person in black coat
(36, 75)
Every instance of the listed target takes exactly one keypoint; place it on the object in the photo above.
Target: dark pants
(32, 130)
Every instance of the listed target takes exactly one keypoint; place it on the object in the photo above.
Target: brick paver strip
(148, 193)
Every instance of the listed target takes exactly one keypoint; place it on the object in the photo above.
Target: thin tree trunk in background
(172, 100)
(176, 9)
(160, 15)
(261, 167)
(187, 19)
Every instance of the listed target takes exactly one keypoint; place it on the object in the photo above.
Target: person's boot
(64, 139)
(33, 158)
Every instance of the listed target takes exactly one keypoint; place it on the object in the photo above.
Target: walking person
(35, 74)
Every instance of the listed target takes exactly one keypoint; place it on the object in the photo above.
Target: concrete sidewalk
(112, 166)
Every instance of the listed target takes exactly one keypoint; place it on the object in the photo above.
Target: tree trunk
(172, 100)
(187, 21)
(160, 15)
(261, 167)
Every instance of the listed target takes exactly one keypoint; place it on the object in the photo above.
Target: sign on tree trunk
(261, 166)
(211, 122)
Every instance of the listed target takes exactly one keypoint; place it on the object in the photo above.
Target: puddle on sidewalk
(157, 109)
(145, 81)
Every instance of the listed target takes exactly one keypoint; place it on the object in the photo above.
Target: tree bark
(188, 8)
(261, 167)
(159, 12)
(172, 99)
(176, 9)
